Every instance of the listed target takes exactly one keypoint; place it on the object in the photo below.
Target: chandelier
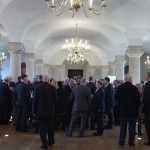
(2, 57)
(58, 6)
(76, 50)
(147, 63)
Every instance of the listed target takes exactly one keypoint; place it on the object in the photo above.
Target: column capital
(104, 68)
(39, 61)
(120, 59)
(15, 47)
(134, 51)
(30, 56)
(111, 64)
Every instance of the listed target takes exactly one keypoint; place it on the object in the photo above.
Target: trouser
(93, 119)
(74, 119)
(5, 113)
(21, 118)
(109, 113)
(123, 129)
(99, 121)
(116, 115)
(139, 126)
(147, 125)
(46, 128)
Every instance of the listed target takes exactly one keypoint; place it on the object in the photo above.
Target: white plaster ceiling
(123, 23)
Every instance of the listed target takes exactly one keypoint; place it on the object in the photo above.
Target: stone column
(46, 69)
(134, 53)
(51, 72)
(15, 49)
(30, 65)
(112, 68)
(59, 73)
(91, 71)
(63, 71)
(87, 71)
(39, 67)
(120, 62)
(104, 71)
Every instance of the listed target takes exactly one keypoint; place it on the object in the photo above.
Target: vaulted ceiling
(123, 23)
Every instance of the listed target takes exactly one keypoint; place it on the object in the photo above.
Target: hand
(99, 110)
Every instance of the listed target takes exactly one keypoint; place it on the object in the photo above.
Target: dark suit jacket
(92, 87)
(61, 104)
(44, 100)
(68, 91)
(146, 98)
(128, 99)
(22, 95)
(109, 96)
(98, 100)
(82, 98)
(5, 93)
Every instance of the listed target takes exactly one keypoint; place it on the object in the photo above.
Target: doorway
(74, 73)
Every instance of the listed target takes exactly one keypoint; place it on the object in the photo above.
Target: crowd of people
(53, 105)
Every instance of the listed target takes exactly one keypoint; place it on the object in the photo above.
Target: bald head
(128, 78)
(46, 78)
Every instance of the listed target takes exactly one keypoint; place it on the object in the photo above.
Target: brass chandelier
(76, 50)
(58, 6)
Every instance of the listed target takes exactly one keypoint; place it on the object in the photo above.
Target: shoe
(121, 144)
(24, 130)
(44, 147)
(107, 128)
(146, 143)
(51, 143)
(97, 134)
(131, 144)
(35, 131)
(69, 135)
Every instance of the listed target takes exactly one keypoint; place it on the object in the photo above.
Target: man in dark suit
(91, 85)
(116, 116)
(81, 103)
(109, 102)
(22, 98)
(44, 108)
(35, 122)
(69, 84)
(98, 107)
(128, 99)
(5, 101)
(146, 109)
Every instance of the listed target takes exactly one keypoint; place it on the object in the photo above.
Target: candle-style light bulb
(52, 2)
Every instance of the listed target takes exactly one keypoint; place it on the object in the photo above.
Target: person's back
(146, 109)
(22, 94)
(81, 98)
(128, 100)
(46, 95)
(44, 108)
(4, 92)
(91, 85)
